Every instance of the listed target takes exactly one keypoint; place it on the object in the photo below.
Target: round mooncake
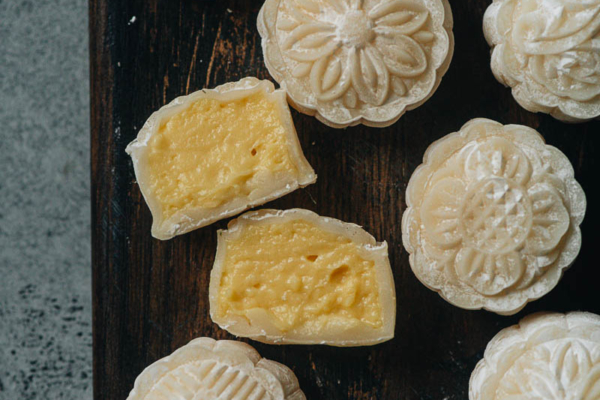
(349, 62)
(493, 217)
(208, 369)
(547, 52)
(546, 356)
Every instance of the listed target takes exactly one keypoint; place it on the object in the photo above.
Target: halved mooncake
(215, 153)
(547, 356)
(493, 217)
(207, 369)
(296, 277)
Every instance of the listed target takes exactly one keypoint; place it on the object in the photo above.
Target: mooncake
(493, 217)
(215, 153)
(546, 356)
(547, 52)
(207, 369)
(351, 62)
(296, 277)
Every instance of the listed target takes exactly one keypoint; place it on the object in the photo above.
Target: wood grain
(150, 297)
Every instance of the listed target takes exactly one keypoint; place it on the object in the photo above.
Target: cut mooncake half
(215, 153)
(207, 369)
(296, 277)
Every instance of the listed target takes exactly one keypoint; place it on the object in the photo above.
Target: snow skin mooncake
(547, 52)
(215, 153)
(349, 62)
(208, 369)
(295, 277)
(493, 217)
(545, 357)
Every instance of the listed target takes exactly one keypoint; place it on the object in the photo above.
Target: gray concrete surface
(45, 288)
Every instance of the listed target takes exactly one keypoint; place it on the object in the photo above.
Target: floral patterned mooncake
(493, 217)
(547, 52)
(546, 356)
(357, 61)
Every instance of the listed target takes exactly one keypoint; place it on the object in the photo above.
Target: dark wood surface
(150, 297)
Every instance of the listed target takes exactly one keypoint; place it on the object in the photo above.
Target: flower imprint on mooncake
(547, 52)
(493, 217)
(546, 356)
(357, 61)
(208, 369)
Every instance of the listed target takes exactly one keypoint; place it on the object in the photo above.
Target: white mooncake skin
(207, 369)
(351, 62)
(547, 52)
(259, 325)
(493, 217)
(545, 357)
(266, 186)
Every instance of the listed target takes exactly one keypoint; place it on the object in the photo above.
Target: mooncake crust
(264, 331)
(241, 374)
(184, 222)
(369, 71)
(544, 51)
(547, 355)
(451, 225)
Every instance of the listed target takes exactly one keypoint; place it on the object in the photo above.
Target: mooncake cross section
(214, 153)
(295, 277)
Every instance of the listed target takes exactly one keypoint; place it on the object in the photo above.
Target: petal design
(570, 362)
(300, 12)
(591, 387)
(548, 356)
(488, 274)
(440, 212)
(322, 76)
(403, 17)
(556, 27)
(369, 75)
(310, 42)
(498, 157)
(402, 55)
(550, 220)
(559, 369)
(575, 74)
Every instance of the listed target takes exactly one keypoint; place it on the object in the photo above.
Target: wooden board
(150, 297)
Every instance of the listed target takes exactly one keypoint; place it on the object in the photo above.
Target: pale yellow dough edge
(182, 223)
(262, 330)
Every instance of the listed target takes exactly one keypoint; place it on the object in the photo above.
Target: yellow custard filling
(215, 151)
(301, 277)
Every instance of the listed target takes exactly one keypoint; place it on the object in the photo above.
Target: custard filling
(215, 151)
(303, 278)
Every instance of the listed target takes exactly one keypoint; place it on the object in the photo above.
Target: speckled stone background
(45, 288)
